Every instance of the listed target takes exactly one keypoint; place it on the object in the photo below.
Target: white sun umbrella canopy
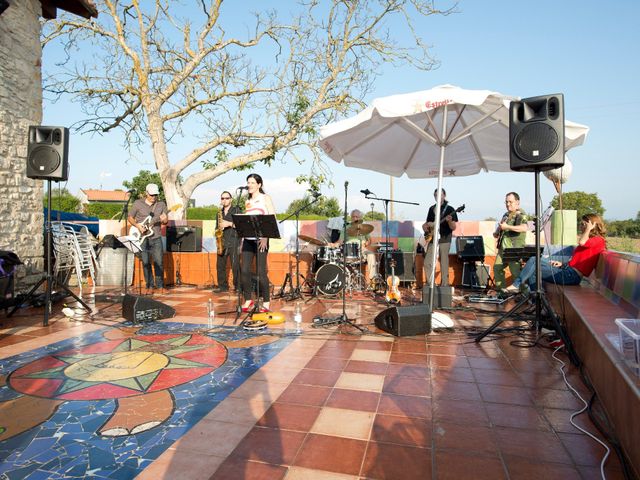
(446, 131)
(403, 134)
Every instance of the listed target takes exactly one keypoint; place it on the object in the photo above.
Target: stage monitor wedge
(536, 133)
(405, 321)
(139, 309)
(48, 153)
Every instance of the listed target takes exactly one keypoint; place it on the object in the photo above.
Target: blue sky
(588, 50)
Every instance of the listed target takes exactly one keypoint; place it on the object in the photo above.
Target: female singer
(584, 259)
(258, 203)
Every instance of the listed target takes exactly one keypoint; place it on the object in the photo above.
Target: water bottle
(297, 316)
(211, 314)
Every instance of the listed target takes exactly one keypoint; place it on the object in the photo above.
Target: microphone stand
(295, 293)
(342, 318)
(387, 253)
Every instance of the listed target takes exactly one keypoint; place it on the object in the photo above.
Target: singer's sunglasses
(225, 198)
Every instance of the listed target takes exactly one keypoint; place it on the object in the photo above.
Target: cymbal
(312, 240)
(359, 229)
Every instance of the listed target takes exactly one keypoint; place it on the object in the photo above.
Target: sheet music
(131, 242)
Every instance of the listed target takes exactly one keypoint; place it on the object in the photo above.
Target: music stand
(255, 226)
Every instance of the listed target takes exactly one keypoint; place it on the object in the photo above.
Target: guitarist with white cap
(147, 215)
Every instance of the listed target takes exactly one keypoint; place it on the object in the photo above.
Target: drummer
(365, 238)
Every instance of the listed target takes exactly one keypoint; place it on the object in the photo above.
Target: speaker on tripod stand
(47, 159)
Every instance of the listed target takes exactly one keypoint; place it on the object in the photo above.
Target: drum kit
(340, 269)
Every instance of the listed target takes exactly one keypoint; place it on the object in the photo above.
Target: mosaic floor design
(108, 403)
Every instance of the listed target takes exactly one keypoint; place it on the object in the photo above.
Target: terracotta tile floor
(338, 404)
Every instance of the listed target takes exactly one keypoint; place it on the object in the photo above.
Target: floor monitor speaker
(536, 133)
(139, 309)
(405, 321)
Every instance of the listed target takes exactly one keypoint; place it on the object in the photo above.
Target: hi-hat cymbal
(359, 229)
(312, 240)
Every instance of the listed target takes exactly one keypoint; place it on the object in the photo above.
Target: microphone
(346, 183)
(366, 191)
(131, 191)
(242, 188)
(315, 193)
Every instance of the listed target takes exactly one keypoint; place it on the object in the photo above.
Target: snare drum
(327, 254)
(352, 252)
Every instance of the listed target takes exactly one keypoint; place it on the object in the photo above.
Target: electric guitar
(428, 234)
(507, 217)
(393, 282)
(137, 237)
(147, 230)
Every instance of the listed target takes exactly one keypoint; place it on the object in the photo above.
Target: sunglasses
(225, 198)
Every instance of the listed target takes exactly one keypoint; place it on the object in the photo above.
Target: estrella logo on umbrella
(440, 103)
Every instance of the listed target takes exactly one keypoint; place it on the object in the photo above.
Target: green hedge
(202, 213)
(103, 210)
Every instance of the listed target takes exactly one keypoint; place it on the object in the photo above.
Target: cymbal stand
(295, 293)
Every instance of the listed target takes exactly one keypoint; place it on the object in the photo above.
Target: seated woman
(584, 259)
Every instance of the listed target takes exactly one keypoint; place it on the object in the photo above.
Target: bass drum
(330, 279)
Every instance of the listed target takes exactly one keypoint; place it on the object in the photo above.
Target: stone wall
(21, 216)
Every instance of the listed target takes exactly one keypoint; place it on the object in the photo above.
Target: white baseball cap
(152, 189)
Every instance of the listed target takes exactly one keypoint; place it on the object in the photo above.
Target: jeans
(230, 254)
(152, 250)
(564, 275)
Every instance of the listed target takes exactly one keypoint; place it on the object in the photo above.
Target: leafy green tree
(372, 216)
(62, 200)
(324, 207)
(140, 182)
(582, 202)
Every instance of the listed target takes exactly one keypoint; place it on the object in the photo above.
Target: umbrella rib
(467, 130)
(446, 140)
(436, 139)
(474, 145)
(405, 122)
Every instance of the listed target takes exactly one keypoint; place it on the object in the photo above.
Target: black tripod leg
(560, 330)
(502, 319)
(71, 294)
(29, 296)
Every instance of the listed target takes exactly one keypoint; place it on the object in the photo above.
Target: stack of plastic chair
(73, 252)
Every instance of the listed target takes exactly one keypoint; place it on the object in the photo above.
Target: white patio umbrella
(445, 131)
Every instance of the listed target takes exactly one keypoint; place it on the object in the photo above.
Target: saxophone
(219, 232)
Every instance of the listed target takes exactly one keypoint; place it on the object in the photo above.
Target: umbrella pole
(436, 229)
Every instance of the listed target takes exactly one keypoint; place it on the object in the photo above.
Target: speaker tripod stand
(51, 282)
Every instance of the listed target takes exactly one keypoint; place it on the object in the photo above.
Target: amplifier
(184, 239)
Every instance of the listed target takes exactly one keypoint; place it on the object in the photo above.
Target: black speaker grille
(536, 142)
(44, 160)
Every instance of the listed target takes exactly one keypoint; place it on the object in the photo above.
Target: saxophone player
(228, 240)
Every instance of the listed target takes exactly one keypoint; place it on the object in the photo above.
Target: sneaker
(248, 308)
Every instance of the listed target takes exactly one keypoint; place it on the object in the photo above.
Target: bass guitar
(393, 284)
(428, 234)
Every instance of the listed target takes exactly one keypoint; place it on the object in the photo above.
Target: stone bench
(589, 311)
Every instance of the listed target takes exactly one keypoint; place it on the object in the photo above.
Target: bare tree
(167, 70)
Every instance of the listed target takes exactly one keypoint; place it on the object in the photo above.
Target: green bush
(103, 210)
(202, 213)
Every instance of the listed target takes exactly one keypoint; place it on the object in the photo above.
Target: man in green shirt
(510, 233)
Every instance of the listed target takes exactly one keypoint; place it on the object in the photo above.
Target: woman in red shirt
(584, 259)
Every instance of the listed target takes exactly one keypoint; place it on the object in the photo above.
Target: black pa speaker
(142, 309)
(536, 133)
(470, 248)
(396, 256)
(48, 153)
(405, 321)
(184, 239)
